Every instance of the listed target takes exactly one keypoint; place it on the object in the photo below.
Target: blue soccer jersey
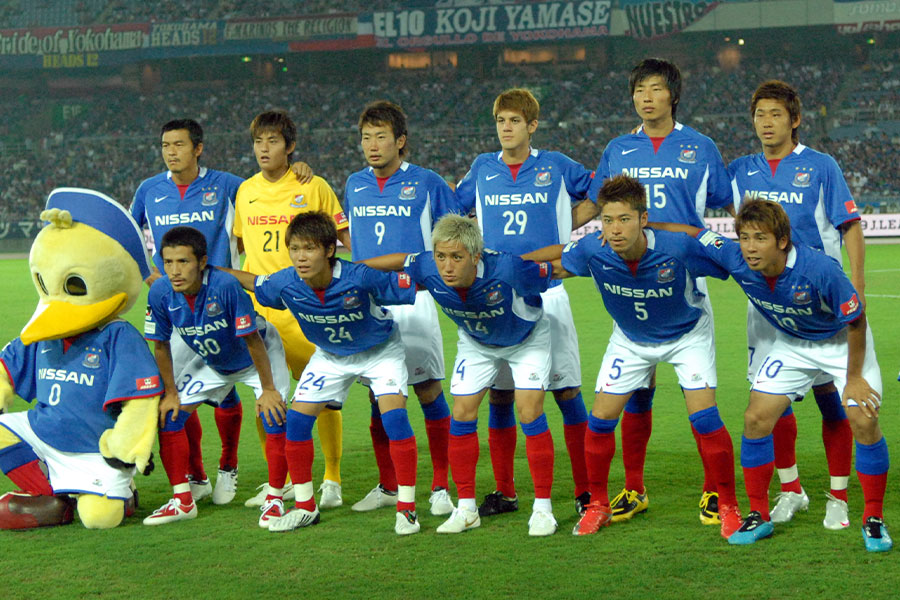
(503, 304)
(347, 318)
(659, 301)
(684, 178)
(812, 299)
(533, 210)
(398, 218)
(809, 186)
(75, 386)
(222, 315)
(208, 206)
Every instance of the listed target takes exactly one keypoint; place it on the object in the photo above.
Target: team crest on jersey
(665, 275)
(213, 309)
(802, 179)
(91, 360)
(407, 192)
(802, 297)
(493, 297)
(299, 201)
(543, 179)
(209, 199)
(688, 155)
(351, 302)
(534, 377)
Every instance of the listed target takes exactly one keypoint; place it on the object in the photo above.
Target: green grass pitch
(663, 553)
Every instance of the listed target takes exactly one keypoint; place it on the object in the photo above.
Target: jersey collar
(532, 152)
(678, 126)
(791, 258)
(200, 174)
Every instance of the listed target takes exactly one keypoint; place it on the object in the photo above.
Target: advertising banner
(855, 16)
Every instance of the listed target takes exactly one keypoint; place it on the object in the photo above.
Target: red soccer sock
(228, 421)
(502, 444)
(405, 456)
(756, 480)
(463, 453)
(784, 438)
(574, 435)
(173, 452)
(194, 432)
(718, 458)
(873, 487)
(539, 449)
(31, 479)
(382, 447)
(299, 457)
(277, 462)
(636, 429)
(838, 440)
(438, 432)
(709, 474)
(599, 449)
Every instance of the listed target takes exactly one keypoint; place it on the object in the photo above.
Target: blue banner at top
(648, 19)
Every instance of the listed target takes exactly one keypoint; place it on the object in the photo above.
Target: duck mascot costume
(94, 381)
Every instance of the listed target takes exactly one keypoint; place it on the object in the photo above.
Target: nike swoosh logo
(359, 189)
(160, 198)
(489, 177)
(441, 292)
(252, 201)
(607, 268)
(45, 350)
(744, 282)
(752, 173)
(624, 152)
(175, 307)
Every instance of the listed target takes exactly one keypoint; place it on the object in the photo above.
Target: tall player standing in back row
(683, 174)
(393, 207)
(265, 205)
(810, 187)
(527, 199)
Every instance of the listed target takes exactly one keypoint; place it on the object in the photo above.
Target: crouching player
(820, 328)
(494, 299)
(215, 317)
(337, 304)
(649, 289)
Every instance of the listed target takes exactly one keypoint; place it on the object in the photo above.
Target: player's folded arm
(386, 262)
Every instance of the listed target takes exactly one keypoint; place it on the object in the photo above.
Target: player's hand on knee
(859, 390)
(168, 404)
(270, 406)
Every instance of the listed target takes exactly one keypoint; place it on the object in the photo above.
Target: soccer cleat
(629, 503)
(331, 494)
(440, 501)
(542, 523)
(173, 510)
(407, 523)
(709, 508)
(460, 520)
(836, 514)
(294, 520)
(581, 502)
(379, 497)
(200, 488)
(594, 517)
(496, 503)
(876, 535)
(260, 498)
(788, 504)
(271, 510)
(226, 486)
(752, 529)
(730, 517)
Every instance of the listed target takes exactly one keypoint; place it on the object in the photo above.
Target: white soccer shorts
(328, 377)
(565, 360)
(477, 364)
(420, 333)
(72, 472)
(628, 365)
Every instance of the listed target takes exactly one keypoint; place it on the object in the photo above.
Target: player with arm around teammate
(494, 299)
(338, 305)
(648, 287)
(820, 328)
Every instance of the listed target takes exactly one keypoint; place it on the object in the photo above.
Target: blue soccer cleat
(752, 529)
(876, 535)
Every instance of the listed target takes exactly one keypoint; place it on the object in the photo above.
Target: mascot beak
(56, 319)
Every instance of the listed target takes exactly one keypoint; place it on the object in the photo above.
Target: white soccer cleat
(200, 489)
(377, 498)
(226, 486)
(836, 514)
(407, 523)
(171, 511)
(294, 520)
(331, 494)
(541, 523)
(440, 501)
(460, 520)
(271, 510)
(260, 498)
(788, 504)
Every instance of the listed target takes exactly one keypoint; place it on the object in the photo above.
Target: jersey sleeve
(132, 370)
(232, 185)
(138, 211)
(837, 291)
(236, 229)
(20, 361)
(718, 190)
(328, 201)
(528, 277)
(239, 307)
(268, 291)
(576, 255)
(601, 174)
(839, 204)
(689, 251)
(157, 323)
(390, 287)
(719, 249)
(443, 199)
(578, 179)
(466, 188)
(412, 266)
